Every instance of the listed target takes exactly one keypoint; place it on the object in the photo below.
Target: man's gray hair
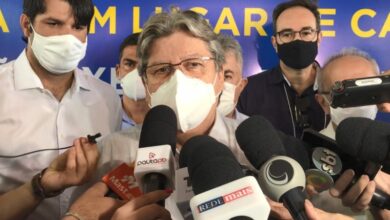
(165, 24)
(350, 51)
(230, 44)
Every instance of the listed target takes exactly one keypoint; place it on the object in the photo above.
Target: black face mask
(298, 54)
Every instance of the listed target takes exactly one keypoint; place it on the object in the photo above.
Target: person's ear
(274, 43)
(323, 103)
(319, 40)
(117, 71)
(239, 89)
(25, 25)
(220, 81)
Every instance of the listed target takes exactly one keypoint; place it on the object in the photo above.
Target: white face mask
(190, 98)
(58, 54)
(337, 115)
(226, 103)
(132, 85)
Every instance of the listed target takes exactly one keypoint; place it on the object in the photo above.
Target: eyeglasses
(288, 35)
(195, 67)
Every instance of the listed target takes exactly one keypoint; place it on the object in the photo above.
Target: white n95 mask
(190, 98)
(58, 54)
(339, 114)
(226, 102)
(132, 85)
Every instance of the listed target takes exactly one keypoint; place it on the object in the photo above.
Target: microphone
(362, 91)
(364, 138)
(281, 177)
(154, 167)
(329, 161)
(370, 141)
(221, 190)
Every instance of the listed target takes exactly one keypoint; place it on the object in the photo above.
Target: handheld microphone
(362, 91)
(371, 142)
(222, 191)
(281, 178)
(154, 167)
(329, 161)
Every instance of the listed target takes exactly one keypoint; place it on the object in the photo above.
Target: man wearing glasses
(285, 93)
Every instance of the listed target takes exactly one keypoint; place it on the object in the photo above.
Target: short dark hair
(309, 5)
(130, 40)
(82, 10)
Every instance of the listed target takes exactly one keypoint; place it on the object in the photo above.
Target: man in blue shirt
(285, 93)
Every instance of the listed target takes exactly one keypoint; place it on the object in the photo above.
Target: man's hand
(73, 167)
(93, 205)
(318, 214)
(278, 211)
(358, 196)
(144, 208)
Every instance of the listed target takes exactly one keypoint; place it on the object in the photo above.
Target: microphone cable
(91, 139)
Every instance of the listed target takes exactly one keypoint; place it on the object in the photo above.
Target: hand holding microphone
(370, 142)
(154, 166)
(73, 167)
(93, 204)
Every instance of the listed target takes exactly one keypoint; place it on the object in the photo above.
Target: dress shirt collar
(219, 129)
(26, 78)
(278, 76)
(329, 131)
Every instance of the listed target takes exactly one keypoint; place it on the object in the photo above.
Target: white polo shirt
(31, 118)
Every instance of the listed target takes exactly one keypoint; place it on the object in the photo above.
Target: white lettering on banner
(98, 74)
(3, 60)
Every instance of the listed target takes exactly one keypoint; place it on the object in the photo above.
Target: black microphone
(368, 140)
(364, 138)
(154, 167)
(281, 177)
(221, 188)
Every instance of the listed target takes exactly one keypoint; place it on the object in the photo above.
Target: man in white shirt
(181, 66)
(133, 99)
(348, 64)
(234, 82)
(45, 100)
(182, 69)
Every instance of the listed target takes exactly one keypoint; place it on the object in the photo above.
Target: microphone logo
(279, 172)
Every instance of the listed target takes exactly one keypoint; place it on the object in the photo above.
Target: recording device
(154, 166)
(122, 183)
(281, 177)
(362, 91)
(222, 191)
(370, 141)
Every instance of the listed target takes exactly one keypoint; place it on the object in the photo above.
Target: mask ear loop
(326, 100)
(147, 91)
(217, 96)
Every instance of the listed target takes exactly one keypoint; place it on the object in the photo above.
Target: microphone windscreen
(364, 138)
(159, 128)
(296, 149)
(259, 140)
(210, 163)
